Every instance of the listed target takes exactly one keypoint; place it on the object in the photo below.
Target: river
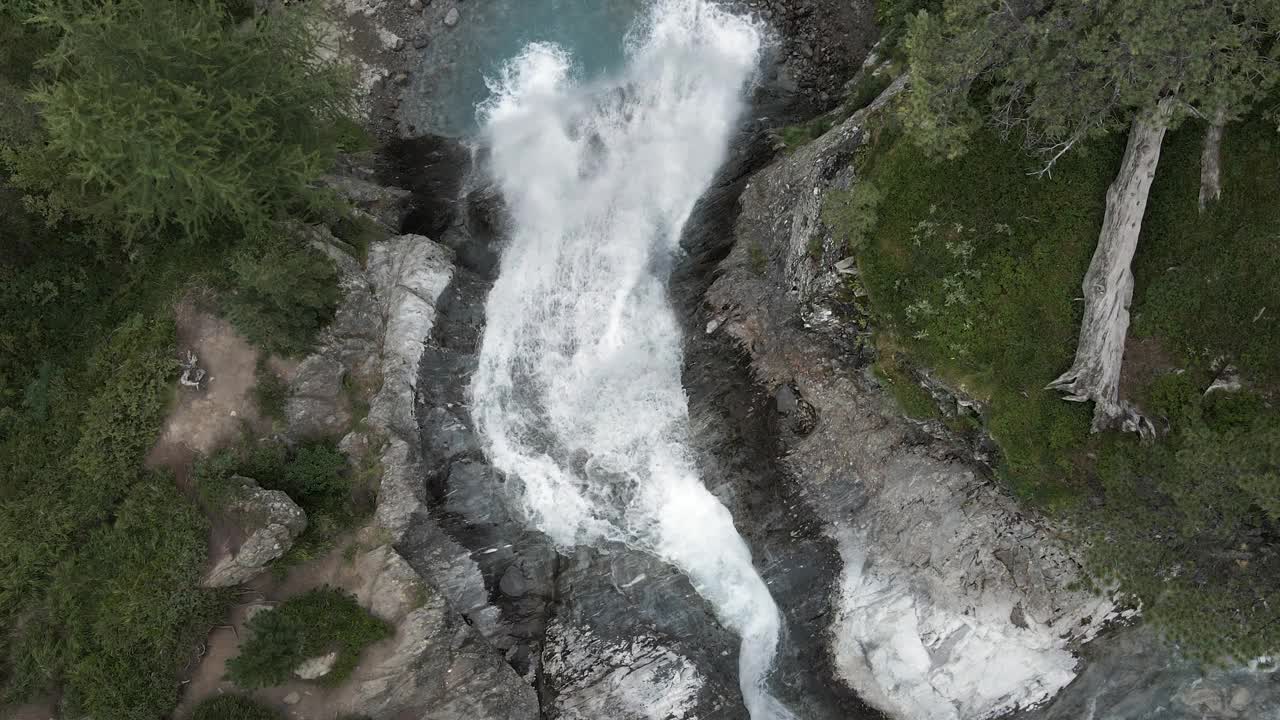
(578, 393)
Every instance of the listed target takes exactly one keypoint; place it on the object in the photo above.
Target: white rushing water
(578, 394)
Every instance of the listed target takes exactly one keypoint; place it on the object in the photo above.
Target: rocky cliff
(952, 601)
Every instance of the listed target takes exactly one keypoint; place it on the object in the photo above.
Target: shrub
(972, 268)
(270, 391)
(317, 474)
(284, 293)
(121, 614)
(1205, 282)
(1187, 528)
(314, 623)
(165, 113)
(233, 707)
(58, 485)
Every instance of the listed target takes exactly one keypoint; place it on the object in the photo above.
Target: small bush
(317, 474)
(270, 391)
(284, 293)
(233, 707)
(314, 623)
(121, 615)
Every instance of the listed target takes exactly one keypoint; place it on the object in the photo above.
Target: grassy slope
(973, 268)
(1203, 280)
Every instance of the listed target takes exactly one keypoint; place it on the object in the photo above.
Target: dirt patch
(44, 709)
(1144, 361)
(209, 416)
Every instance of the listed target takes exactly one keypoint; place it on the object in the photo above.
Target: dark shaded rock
(513, 583)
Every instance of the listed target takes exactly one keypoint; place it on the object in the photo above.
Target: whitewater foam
(578, 394)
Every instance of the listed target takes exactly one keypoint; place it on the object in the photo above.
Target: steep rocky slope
(953, 602)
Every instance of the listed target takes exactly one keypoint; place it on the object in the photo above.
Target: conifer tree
(1055, 73)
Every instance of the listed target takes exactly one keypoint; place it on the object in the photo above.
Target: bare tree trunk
(1211, 162)
(1108, 286)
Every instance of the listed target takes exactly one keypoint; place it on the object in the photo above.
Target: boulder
(388, 205)
(316, 667)
(268, 520)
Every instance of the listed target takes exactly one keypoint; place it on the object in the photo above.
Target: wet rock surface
(936, 558)
(437, 658)
(735, 433)
(820, 44)
(647, 627)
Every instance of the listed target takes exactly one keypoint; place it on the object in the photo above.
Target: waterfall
(578, 395)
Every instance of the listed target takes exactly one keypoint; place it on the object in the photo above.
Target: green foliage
(123, 419)
(317, 474)
(1206, 283)
(852, 212)
(120, 614)
(1059, 72)
(972, 267)
(233, 707)
(893, 16)
(868, 88)
(1186, 527)
(270, 391)
(314, 623)
(160, 113)
(285, 292)
(170, 122)
(972, 270)
(56, 484)
(795, 136)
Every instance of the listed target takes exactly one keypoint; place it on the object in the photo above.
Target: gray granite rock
(267, 522)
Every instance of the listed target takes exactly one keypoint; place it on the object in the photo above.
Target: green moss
(868, 88)
(759, 262)
(853, 213)
(915, 401)
(796, 136)
(973, 267)
(314, 623)
(1206, 284)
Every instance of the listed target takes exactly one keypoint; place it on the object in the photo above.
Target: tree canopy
(1056, 73)
(160, 113)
